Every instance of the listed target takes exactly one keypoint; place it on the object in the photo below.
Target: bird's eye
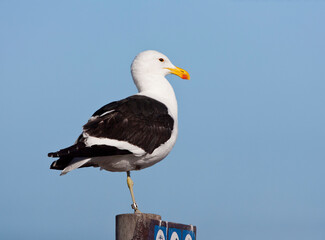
(161, 59)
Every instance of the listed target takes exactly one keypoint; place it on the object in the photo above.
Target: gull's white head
(149, 69)
(152, 64)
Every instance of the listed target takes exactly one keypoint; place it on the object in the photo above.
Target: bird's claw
(135, 207)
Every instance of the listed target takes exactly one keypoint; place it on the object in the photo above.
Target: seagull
(133, 133)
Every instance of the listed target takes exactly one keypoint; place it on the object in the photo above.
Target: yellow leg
(130, 185)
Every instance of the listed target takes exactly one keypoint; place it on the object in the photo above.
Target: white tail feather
(76, 163)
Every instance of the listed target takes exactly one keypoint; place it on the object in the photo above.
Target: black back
(139, 120)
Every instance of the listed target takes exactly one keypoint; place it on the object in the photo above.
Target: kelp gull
(133, 133)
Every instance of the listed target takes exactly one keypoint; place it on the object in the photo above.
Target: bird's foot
(135, 207)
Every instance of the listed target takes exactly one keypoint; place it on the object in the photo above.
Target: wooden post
(142, 226)
(134, 226)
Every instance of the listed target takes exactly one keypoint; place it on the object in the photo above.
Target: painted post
(141, 226)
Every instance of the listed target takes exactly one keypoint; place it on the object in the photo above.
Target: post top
(139, 215)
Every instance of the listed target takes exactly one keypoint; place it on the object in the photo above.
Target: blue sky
(249, 160)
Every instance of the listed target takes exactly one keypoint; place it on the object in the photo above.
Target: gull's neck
(158, 88)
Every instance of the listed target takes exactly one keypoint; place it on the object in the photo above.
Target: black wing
(139, 120)
(79, 149)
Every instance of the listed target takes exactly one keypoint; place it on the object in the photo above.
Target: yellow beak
(180, 72)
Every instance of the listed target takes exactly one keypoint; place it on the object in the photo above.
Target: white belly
(130, 162)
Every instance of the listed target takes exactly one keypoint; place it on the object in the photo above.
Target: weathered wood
(134, 226)
(141, 226)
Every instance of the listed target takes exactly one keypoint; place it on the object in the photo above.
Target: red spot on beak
(184, 76)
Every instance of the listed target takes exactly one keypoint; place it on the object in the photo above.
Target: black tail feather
(79, 149)
(69, 151)
(61, 163)
(65, 156)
